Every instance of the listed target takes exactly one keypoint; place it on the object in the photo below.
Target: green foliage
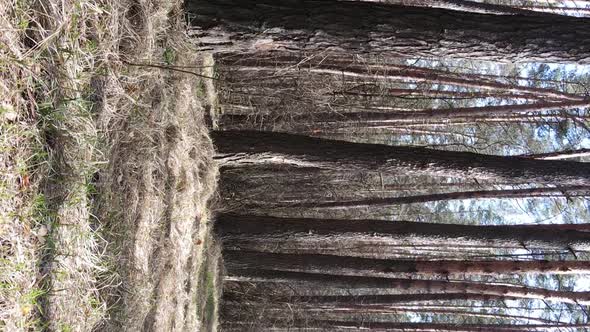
(169, 56)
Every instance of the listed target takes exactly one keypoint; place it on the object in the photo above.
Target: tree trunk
(559, 155)
(504, 193)
(442, 327)
(554, 227)
(369, 117)
(345, 311)
(447, 95)
(262, 228)
(410, 285)
(461, 5)
(242, 148)
(354, 312)
(363, 299)
(311, 26)
(345, 265)
(560, 10)
(343, 65)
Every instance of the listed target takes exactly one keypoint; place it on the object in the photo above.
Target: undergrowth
(52, 53)
(68, 97)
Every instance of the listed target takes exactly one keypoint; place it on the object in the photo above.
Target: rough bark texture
(260, 228)
(428, 114)
(347, 66)
(441, 327)
(244, 311)
(345, 265)
(368, 118)
(463, 5)
(411, 285)
(304, 25)
(242, 148)
(559, 155)
(393, 299)
(507, 193)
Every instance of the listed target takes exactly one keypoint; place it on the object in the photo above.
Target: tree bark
(261, 228)
(344, 65)
(449, 95)
(461, 5)
(352, 312)
(441, 327)
(243, 148)
(504, 193)
(553, 227)
(365, 299)
(346, 265)
(371, 117)
(410, 285)
(311, 26)
(560, 155)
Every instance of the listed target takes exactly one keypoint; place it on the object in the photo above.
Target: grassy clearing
(105, 166)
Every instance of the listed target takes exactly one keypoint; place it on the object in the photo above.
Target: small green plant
(169, 56)
(65, 328)
(201, 89)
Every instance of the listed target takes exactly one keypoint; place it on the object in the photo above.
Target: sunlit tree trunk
(559, 155)
(462, 5)
(243, 148)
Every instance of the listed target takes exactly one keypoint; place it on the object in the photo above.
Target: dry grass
(48, 57)
(96, 150)
(160, 178)
(209, 284)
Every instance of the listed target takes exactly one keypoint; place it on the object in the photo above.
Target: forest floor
(106, 169)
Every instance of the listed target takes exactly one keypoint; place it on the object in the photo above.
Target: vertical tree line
(385, 167)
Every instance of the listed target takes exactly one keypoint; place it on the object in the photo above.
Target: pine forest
(401, 166)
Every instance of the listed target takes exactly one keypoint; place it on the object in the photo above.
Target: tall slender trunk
(435, 114)
(278, 312)
(461, 5)
(410, 285)
(262, 228)
(559, 155)
(554, 227)
(348, 310)
(557, 10)
(442, 327)
(346, 265)
(525, 119)
(242, 148)
(363, 118)
(343, 66)
(310, 26)
(505, 193)
(391, 299)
